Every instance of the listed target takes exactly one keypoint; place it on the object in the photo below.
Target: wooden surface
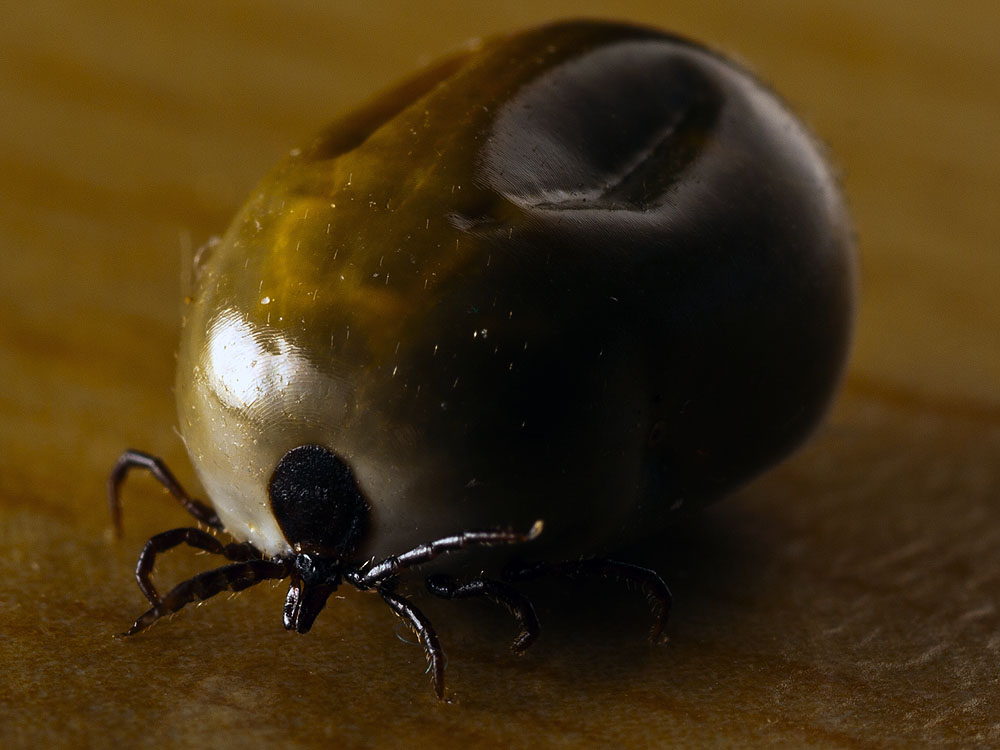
(847, 599)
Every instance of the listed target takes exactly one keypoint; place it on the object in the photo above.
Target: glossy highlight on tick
(546, 295)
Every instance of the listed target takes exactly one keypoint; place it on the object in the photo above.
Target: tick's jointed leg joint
(648, 581)
(424, 553)
(133, 459)
(422, 628)
(497, 592)
(193, 538)
(235, 577)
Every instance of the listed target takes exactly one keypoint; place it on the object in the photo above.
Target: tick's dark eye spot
(317, 502)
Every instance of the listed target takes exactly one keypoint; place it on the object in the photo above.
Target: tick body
(590, 273)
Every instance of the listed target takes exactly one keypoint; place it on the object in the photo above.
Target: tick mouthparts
(303, 603)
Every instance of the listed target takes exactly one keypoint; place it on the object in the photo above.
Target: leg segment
(499, 593)
(132, 459)
(235, 577)
(648, 581)
(193, 538)
(389, 567)
(423, 629)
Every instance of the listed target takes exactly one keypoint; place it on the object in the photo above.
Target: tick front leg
(648, 581)
(499, 593)
(389, 567)
(235, 577)
(133, 459)
(422, 628)
(193, 538)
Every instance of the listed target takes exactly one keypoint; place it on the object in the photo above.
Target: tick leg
(422, 628)
(235, 577)
(392, 565)
(132, 459)
(648, 581)
(499, 593)
(193, 538)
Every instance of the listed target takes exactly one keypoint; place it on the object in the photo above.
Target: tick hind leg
(133, 459)
(497, 592)
(193, 538)
(235, 577)
(646, 580)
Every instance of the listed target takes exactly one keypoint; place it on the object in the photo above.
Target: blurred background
(846, 599)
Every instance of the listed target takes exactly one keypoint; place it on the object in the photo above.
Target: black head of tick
(319, 508)
(317, 503)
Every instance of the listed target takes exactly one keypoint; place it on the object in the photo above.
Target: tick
(588, 276)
